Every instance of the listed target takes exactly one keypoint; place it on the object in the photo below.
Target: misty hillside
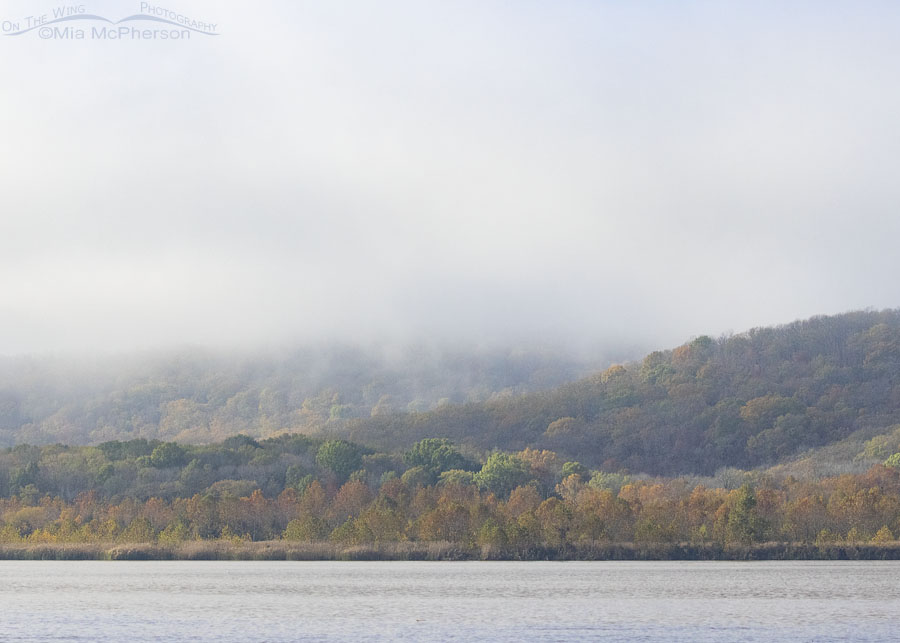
(753, 399)
(760, 398)
(201, 396)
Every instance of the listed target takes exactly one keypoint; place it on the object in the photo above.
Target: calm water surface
(290, 601)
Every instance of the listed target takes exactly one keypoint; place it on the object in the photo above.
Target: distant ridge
(202, 396)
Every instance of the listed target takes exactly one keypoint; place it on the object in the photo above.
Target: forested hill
(758, 398)
(751, 399)
(200, 396)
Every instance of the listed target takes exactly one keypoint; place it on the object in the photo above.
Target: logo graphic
(67, 23)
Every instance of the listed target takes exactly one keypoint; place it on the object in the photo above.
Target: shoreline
(223, 550)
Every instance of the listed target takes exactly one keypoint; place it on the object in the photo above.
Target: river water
(372, 601)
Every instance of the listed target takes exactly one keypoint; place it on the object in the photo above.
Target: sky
(590, 172)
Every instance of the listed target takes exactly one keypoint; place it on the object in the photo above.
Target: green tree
(570, 468)
(307, 528)
(457, 477)
(340, 457)
(417, 476)
(435, 454)
(168, 454)
(744, 524)
(502, 473)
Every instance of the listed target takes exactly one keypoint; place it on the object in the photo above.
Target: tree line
(308, 490)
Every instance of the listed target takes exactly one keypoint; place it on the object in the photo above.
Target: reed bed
(442, 551)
